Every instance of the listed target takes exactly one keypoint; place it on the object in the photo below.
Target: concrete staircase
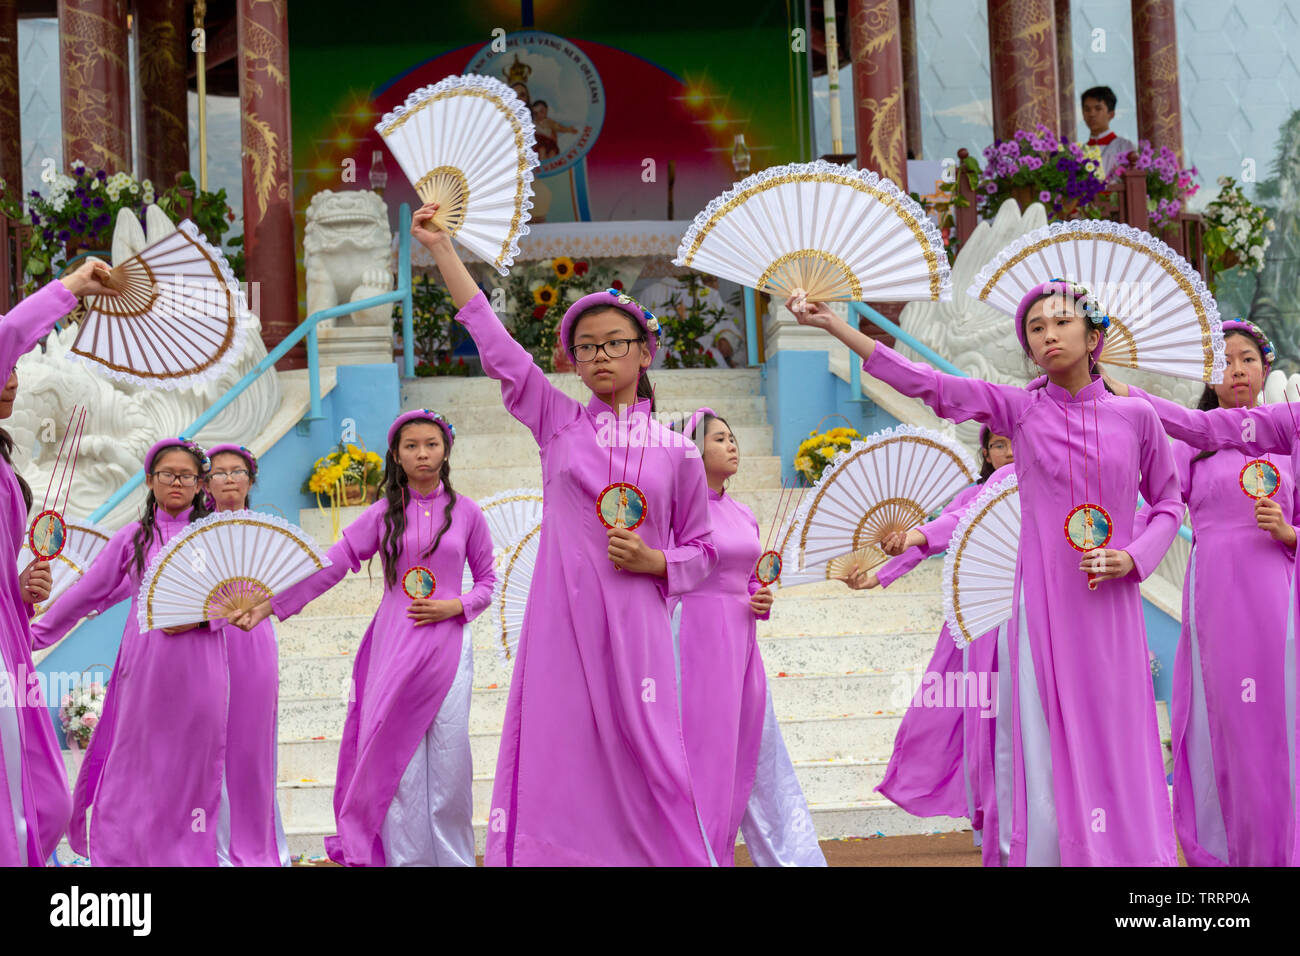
(842, 665)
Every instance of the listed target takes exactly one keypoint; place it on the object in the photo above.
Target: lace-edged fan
(467, 143)
(1162, 317)
(837, 233)
(979, 570)
(222, 564)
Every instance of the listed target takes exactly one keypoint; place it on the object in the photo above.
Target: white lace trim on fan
(968, 518)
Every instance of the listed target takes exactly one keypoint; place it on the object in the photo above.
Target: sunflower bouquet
(820, 448)
(537, 297)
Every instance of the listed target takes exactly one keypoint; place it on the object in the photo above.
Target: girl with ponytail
(403, 792)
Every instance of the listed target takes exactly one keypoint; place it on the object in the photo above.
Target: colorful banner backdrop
(615, 102)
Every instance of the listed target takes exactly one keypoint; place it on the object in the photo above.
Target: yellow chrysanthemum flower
(345, 461)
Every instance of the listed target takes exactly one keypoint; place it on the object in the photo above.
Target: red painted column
(876, 45)
(271, 266)
(1155, 74)
(1022, 47)
(162, 108)
(911, 78)
(95, 86)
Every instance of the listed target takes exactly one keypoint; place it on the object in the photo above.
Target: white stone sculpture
(347, 255)
(123, 420)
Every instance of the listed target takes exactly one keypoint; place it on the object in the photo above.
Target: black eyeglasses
(170, 478)
(614, 348)
(237, 474)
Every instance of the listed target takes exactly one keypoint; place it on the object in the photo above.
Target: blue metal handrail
(306, 330)
(935, 359)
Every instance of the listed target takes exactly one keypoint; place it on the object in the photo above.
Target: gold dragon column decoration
(876, 46)
(162, 109)
(94, 84)
(11, 138)
(1155, 75)
(271, 266)
(1022, 44)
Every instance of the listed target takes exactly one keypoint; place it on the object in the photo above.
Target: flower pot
(356, 494)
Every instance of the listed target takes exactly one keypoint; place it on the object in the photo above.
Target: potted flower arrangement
(80, 712)
(687, 323)
(1040, 166)
(347, 476)
(538, 296)
(820, 448)
(79, 214)
(1168, 187)
(434, 327)
(1236, 229)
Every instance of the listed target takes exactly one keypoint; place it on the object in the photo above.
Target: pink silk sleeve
(1263, 430)
(692, 554)
(478, 551)
(359, 543)
(527, 392)
(31, 320)
(952, 397)
(108, 581)
(1159, 485)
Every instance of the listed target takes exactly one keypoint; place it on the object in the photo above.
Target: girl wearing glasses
(255, 834)
(156, 763)
(403, 792)
(592, 768)
(34, 802)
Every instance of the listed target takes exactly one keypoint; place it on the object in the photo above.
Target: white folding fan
(511, 515)
(179, 318)
(66, 568)
(86, 537)
(510, 596)
(839, 234)
(467, 143)
(1162, 317)
(890, 481)
(979, 570)
(224, 563)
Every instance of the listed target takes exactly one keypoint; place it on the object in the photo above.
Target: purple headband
(1266, 349)
(1091, 309)
(240, 450)
(696, 417)
(611, 298)
(422, 415)
(185, 443)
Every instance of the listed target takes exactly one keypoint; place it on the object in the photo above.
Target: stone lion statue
(347, 252)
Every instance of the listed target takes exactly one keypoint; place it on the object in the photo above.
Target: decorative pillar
(11, 138)
(271, 266)
(876, 45)
(911, 78)
(95, 86)
(1155, 74)
(1022, 47)
(1065, 71)
(162, 109)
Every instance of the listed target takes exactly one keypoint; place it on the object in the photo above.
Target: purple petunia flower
(101, 175)
(991, 188)
(64, 235)
(36, 219)
(1044, 196)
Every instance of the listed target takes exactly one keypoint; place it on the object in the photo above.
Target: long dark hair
(148, 522)
(1210, 398)
(6, 452)
(986, 436)
(643, 388)
(397, 494)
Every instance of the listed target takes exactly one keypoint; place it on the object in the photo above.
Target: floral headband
(422, 415)
(189, 445)
(1092, 309)
(1266, 350)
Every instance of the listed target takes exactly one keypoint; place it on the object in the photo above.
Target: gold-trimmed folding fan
(979, 570)
(1162, 317)
(838, 234)
(510, 595)
(467, 143)
(224, 563)
(179, 318)
(890, 481)
(511, 515)
(66, 569)
(86, 537)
